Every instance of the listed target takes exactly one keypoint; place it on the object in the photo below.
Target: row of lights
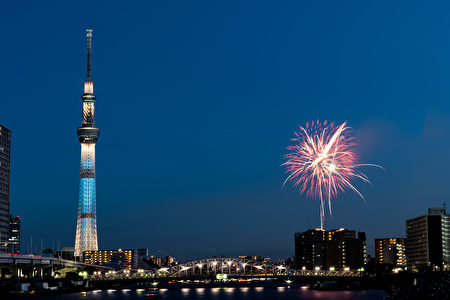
(331, 269)
(215, 263)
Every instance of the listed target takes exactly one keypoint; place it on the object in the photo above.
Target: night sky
(197, 102)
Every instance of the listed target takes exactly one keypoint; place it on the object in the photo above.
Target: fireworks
(322, 162)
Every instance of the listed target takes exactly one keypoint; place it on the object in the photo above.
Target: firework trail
(322, 162)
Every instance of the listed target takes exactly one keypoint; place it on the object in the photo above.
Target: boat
(152, 292)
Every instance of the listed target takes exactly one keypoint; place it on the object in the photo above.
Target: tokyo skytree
(86, 235)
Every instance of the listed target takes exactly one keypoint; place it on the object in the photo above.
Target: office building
(428, 240)
(5, 161)
(86, 234)
(14, 235)
(391, 251)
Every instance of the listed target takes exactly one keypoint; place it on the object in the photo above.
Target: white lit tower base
(86, 235)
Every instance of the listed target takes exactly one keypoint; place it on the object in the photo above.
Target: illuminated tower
(86, 236)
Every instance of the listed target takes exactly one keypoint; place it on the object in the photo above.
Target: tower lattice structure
(86, 234)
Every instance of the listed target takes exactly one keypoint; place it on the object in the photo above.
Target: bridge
(233, 267)
(223, 265)
(30, 266)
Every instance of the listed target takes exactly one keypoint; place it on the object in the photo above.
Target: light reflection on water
(229, 293)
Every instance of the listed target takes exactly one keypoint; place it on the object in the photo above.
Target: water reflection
(228, 293)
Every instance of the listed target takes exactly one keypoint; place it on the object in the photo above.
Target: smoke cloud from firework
(322, 162)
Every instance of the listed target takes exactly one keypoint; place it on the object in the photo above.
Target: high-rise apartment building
(339, 249)
(5, 161)
(346, 248)
(310, 248)
(428, 240)
(391, 251)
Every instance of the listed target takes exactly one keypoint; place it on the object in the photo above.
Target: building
(5, 161)
(310, 248)
(143, 252)
(123, 259)
(119, 259)
(86, 234)
(66, 253)
(142, 256)
(346, 249)
(428, 240)
(255, 257)
(339, 249)
(391, 251)
(169, 261)
(14, 235)
(156, 261)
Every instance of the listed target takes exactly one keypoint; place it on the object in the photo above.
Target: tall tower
(86, 236)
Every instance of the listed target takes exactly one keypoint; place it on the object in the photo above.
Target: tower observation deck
(86, 234)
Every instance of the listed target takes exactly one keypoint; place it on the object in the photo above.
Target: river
(224, 293)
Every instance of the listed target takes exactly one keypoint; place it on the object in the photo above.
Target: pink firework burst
(322, 162)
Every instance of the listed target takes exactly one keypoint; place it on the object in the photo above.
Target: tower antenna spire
(89, 45)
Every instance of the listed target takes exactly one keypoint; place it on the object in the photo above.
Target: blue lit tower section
(86, 236)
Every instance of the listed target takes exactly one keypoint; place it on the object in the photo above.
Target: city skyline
(195, 120)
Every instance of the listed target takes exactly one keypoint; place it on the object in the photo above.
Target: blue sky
(197, 102)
